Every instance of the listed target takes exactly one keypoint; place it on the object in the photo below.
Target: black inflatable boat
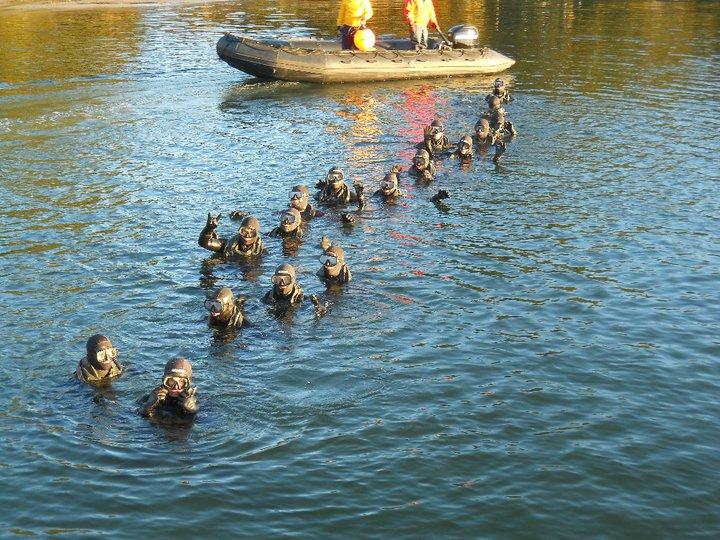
(323, 61)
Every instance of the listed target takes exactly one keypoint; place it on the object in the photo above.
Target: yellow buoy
(364, 39)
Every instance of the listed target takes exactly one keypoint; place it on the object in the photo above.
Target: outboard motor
(464, 36)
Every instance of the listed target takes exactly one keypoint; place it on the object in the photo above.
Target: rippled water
(539, 359)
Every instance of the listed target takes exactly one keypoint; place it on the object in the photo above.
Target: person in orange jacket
(352, 16)
(420, 14)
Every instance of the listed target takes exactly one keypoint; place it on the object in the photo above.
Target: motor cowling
(464, 36)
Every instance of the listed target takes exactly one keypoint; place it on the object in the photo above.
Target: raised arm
(208, 237)
(150, 402)
(188, 403)
(360, 194)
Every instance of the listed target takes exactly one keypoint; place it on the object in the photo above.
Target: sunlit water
(537, 360)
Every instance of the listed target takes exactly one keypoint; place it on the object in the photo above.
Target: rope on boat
(390, 54)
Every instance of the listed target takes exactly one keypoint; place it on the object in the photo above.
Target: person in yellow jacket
(420, 14)
(353, 15)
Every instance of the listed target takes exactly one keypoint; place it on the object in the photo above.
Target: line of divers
(176, 395)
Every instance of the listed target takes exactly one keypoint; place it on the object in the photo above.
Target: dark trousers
(347, 36)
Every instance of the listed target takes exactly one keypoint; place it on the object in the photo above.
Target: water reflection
(54, 46)
(362, 133)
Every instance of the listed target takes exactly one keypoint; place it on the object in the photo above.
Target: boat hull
(324, 62)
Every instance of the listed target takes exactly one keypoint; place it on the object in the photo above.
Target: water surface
(539, 359)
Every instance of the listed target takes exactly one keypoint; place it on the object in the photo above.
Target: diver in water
(440, 196)
(334, 269)
(503, 132)
(422, 168)
(434, 139)
(225, 310)
(334, 191)
(246, 243)
(176, 395)
(484, 136)
(389, 190)
(285, 289)
(494, 108)
(300, 201)
(464, 150)
(99, 364)
(495, 115)
(500, 91)
(499, 136)
(290, 221)
(483, 133)
(286, 292)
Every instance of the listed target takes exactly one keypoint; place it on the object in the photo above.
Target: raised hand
(320, 309)
(360, 192)
(439, 196)
(212, 222)
(161, 395)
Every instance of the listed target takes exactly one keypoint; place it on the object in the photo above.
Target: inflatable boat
(323, 61)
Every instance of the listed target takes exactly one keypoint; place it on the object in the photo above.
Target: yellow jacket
(420, 12)
(354, 12)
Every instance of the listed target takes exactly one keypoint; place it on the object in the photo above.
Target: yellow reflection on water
(359, 108)
(56, 45)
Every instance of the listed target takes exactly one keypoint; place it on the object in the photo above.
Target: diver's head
(177, 376)
(299, 196)
(284, 279)
(389, 184)
(249, 230)
(333, 260)
(464, 147)
(100, 352)
(335, 178)
(221, 306)
(436, 130)
(482, 129)
(290, 220)
(421, 160)
(499, 85)
(494, 102)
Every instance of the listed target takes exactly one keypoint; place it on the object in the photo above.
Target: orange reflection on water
(419, 107)
(362, 136)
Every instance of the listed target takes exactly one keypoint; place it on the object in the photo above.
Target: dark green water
(539, 361)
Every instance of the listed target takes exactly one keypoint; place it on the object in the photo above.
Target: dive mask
(296, 195)
(213, 306)
(328, 259)
(106, 355)
(247, 232)
(288, 218)
(334, 178)
(282, 280)
(173, 383)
